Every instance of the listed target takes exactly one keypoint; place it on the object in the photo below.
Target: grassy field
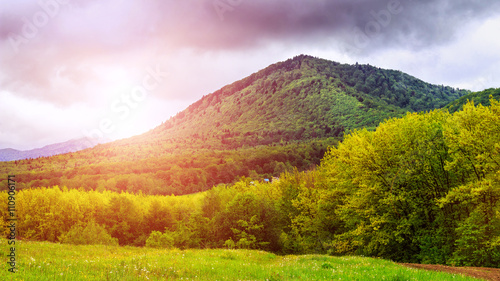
(50, 261)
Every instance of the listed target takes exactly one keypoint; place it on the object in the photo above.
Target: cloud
(35, 123)
(222, 24)
(219, 24)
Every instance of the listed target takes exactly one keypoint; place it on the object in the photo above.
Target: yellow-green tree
(391, 179)
(473, 136)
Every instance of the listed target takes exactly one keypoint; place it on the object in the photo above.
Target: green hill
(306, 97)
(281, 117)
(481, 97)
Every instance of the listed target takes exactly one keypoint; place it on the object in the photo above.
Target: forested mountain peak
(283, 116)
(305, 93)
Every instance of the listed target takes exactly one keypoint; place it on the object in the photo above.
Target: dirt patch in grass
(477, 272)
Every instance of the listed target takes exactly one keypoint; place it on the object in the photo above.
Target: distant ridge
(9, 154)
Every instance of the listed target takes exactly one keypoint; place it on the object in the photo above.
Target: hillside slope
(281, 117)
(306, 97)
(481, 97)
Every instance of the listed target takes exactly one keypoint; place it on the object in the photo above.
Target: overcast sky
(117, 68)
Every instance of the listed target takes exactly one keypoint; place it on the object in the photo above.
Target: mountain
(284, 116)
(9, 154)
(307, 92)
(481, 97)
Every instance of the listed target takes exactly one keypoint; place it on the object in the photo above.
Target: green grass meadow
(52, 261)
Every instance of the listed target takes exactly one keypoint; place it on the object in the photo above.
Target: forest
(423, 188)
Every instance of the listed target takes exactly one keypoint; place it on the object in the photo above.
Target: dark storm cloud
(111, 26)
(222, 24)
(377, 22)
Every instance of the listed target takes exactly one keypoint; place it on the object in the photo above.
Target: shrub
(89, 234)
(160, 240)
